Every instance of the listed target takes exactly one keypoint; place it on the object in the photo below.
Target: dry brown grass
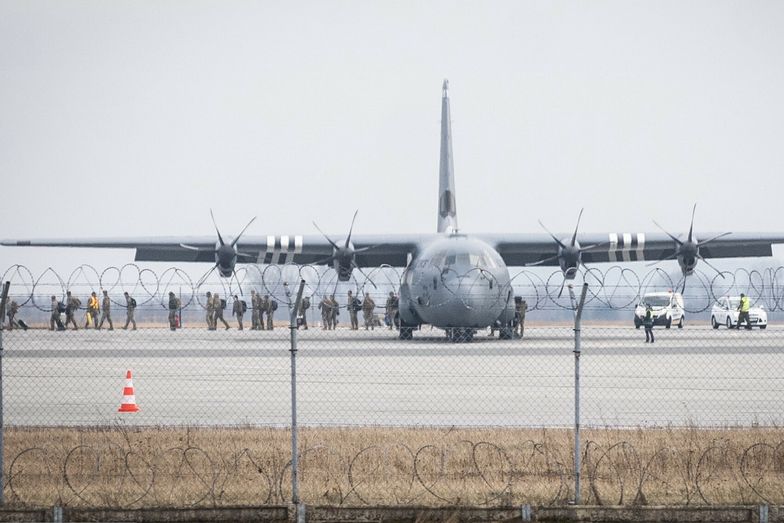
(126, 467)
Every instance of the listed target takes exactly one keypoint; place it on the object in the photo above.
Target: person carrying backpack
(130, 307)
(238, 310)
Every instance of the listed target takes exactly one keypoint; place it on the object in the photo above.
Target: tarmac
(696, 376)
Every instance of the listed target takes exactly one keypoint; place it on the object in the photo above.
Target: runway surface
(694, 376)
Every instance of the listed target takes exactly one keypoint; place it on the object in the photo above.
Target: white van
(667, 308)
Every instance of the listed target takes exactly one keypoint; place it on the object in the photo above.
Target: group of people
(96, 314)
(330, 310)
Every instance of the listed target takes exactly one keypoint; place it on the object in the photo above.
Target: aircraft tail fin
(447, 211)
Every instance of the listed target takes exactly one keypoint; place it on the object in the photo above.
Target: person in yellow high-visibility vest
(743, 314)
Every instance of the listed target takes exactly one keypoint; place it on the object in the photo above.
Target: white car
(725, 312)
(667, 308)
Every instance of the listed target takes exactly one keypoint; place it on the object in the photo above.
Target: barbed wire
(614, 288)
(480, 472)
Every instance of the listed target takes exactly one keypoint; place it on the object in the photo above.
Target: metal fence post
(3, 301)
(578, 313)
(294, 444)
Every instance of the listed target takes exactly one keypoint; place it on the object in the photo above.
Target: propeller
(343, 257)
(688, 252)
(225, 254)
(569, 253)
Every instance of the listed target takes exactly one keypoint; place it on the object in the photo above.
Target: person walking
(255, 305)
(106, 311)
(272, 306)
(391, 310)
(72, 304)
(354, 306)
(237, 310)
(219, 306)
(303, 311)
(130, 309)
(368, 306)
(647, 322)
(13, 308)
(173, 306)
(264, 304)
(210, 312)
(334, 312)
(520, 307)
(91, 316)
(324, 307)
(54, 319)
(743, 311)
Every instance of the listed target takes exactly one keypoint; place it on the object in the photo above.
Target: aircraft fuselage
(456, 281)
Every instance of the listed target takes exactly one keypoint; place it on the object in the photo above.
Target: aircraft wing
(391, 250)
(522, 249)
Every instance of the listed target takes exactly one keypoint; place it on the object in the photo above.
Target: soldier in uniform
(303, 311)
(521, 308)
(391, 309)
(255, 305)
(13, 308)
(264, 304)
(334, 312)
(210, 312)
(352, 311)
(130, 309)
(173, 306)
(72, 305)
(368, 306)
(325, 309)
(54, 319)
(236, 310)
(218, 305)
(271, 306)
(106, 311)
(92, 311)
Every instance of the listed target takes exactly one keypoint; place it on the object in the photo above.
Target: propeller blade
(234, 242)
(562, 288)
(325, 261)
(711, 266)
(351, 229)
(676, 240)
(205, 276)
(670, 257)
(363, 249)
(542, 261)
(700, 244)
(220, 238)
(594, 246)
(574, 236)
(335, 245)
(691, 226)
(560, 244)
(234, 275)
(367, 278)
(193, 248)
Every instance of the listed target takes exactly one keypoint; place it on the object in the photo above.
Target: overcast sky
(134, 118)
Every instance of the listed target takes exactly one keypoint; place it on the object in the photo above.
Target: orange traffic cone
(129, 398)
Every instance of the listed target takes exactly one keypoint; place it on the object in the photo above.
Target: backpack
(133, 303)
(244, 306)
(274, 305)
(60, 306)
(223, 303)
(356, 305)
(305, 303)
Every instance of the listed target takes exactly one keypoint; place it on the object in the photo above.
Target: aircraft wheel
(406, 333)
(506, 333)
(714, 323)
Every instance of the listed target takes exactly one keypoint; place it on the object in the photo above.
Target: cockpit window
(484, 259)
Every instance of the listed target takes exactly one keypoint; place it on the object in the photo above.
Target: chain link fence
(693, 418)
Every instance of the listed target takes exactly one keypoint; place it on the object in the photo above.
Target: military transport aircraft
(454, 281)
